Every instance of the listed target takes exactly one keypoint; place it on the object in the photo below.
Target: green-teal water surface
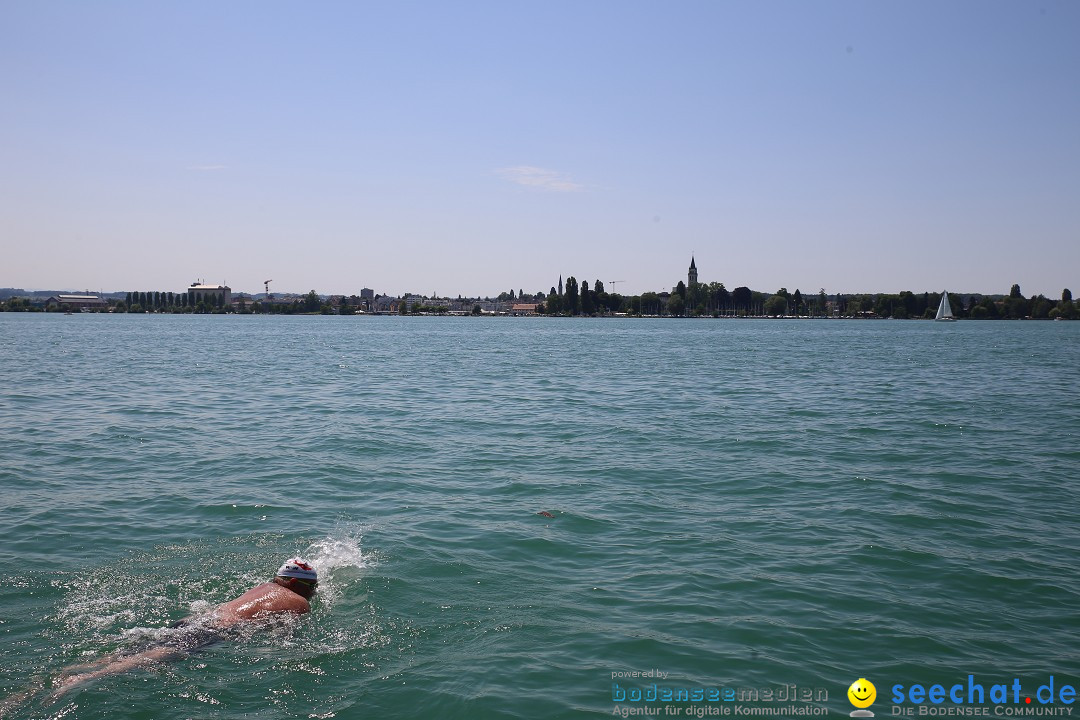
(736, 503)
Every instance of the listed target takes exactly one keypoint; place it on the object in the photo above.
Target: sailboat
(944, 312)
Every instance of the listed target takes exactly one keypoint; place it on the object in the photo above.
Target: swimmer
(288, 593)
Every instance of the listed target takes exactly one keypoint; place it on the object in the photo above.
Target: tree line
(199, 303)
(1013, 306)
(160, 301)
(714, 299)
(696, 300)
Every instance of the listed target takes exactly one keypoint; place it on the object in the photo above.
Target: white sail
(944, 312)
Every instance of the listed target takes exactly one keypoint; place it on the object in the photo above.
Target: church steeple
(691, 276)
(560, 285)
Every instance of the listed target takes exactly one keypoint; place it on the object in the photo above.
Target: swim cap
(298, 568)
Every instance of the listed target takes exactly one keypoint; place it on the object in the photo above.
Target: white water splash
(339, 562)
(333, 555)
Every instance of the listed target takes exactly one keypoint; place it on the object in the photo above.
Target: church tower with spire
(691, 276)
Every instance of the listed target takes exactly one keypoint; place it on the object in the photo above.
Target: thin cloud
(208, 167)
(541, 179)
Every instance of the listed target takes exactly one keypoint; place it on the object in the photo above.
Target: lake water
(737, 503)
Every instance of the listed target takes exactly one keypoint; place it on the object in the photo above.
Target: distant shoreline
(623, 316)
(685, 301)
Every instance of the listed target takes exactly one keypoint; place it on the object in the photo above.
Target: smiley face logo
(862, 693)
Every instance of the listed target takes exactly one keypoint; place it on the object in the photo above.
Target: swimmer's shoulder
(286, 600)
(262, 600)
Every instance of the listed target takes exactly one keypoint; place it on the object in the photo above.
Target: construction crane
(612, 283)
(266, 284)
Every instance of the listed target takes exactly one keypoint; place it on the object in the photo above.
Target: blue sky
(472, 148)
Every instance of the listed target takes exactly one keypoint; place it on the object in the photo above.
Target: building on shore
(78, 302)
(199, 291)
(691, 275)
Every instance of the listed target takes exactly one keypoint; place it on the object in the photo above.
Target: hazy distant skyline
(473, 148)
